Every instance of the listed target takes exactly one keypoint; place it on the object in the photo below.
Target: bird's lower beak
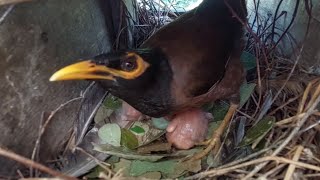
(81, 71)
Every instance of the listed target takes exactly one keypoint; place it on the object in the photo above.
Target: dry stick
(103, 165)
(310, 127)
(259, 86)
(316, 94)
(272, 171)
(164, 7)
(248, 157)
(219, 171)
(6, 2)
(35, 151)
(20, 174)
(283, 105)
(43, 128)
(293, 133)
(312, 175)
(244, 114)
(293, 118)
(292, 167)
(290, 119)
(29, 162)
(304, 97)
(289, 76)
(5, 14)
(317, 113)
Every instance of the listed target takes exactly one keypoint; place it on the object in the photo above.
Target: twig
(292, 167)
(6, 2)
(20, 174)
(285, 104)
(272, 171)
(103, 165)
(293, 133)
(305, 96)
(35, 151)
(290, 119)
(289, 76)
(310, 127)
(315, 95)
(244, 114)
(43, 128)
(248, 157)
(5, 14)
(295, 12)
(274, 20)
(28, 162)
(312, 175)
(220, 171)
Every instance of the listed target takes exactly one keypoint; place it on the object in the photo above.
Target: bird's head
(125, 69)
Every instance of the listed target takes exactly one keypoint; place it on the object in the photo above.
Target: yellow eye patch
(138, 71)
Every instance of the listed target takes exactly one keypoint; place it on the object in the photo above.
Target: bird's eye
(128, 65)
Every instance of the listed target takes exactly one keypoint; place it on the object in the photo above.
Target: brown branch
(103, 165)
(292, 167)
(6, 13)
(221, 171)
(29, 162)
(46, 123)
(6, 2)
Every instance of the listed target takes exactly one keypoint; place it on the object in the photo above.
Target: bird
(192, 61)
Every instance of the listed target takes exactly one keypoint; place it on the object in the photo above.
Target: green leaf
(125, 153)
(113, 160)
(245, 92)
(110, 134)
(102, 114)
(169, 168)
(94, 173)
(219, 110)
(133, 155)
(124, 166)
(248, 60)
(188, 166)
(138, 129)
(128, 139)
(151, 175)
(258, 131)
(160, 123)
(112, 102)
(141, 167)
(213, 162)
(154, 147)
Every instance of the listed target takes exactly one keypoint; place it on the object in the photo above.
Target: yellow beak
(83, 70)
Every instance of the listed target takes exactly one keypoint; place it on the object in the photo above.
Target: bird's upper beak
(83, 70)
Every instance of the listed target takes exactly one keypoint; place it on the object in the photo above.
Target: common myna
(187, 63)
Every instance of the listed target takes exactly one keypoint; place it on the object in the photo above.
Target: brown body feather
(203, 48)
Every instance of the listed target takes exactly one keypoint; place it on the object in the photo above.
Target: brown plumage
(187, 63)
(201, 47)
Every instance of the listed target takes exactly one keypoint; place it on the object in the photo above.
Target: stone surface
(36, 39)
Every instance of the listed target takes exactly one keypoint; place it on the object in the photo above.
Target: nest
(276, 133)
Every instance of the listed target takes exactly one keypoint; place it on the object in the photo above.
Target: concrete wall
(311, 53)
(36, 39)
